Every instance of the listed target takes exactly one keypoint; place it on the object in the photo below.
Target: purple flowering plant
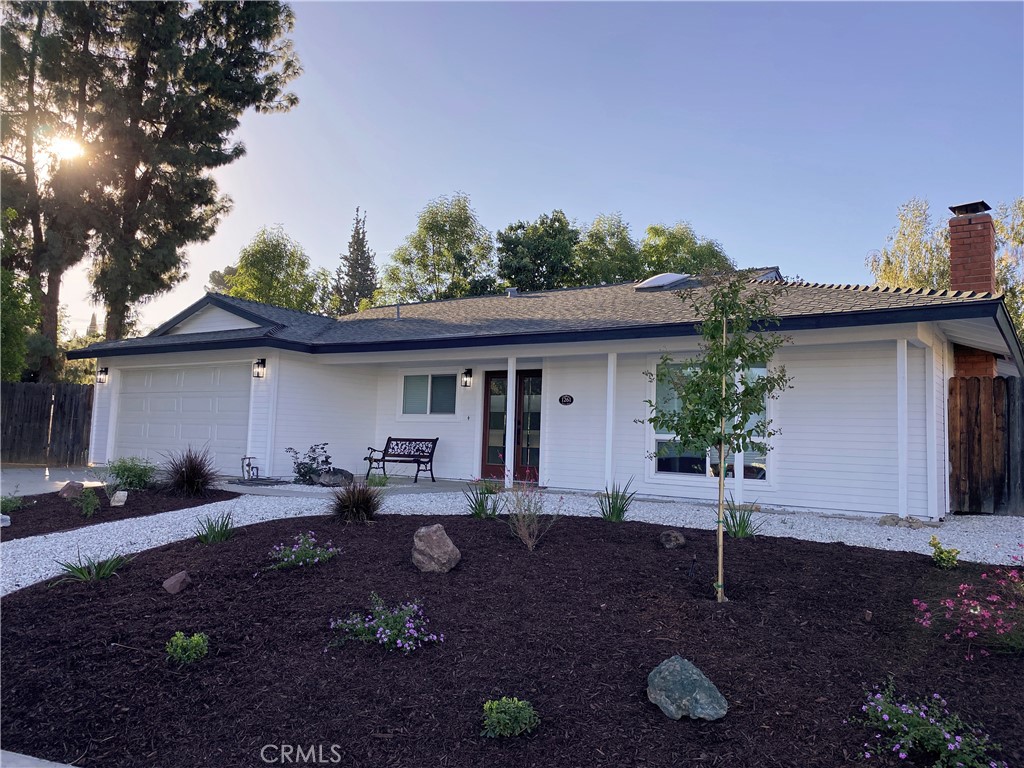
(924, 731)
(303, 552)
(402, 628)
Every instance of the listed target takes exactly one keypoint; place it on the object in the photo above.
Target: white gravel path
(27, 561)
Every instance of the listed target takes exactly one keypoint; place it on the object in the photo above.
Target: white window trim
(431, 418)
(680, 479)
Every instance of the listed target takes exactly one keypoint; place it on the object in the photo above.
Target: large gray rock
(71, 490)
(680, 689)
(433, 551)
(672, 539)
(119, 498)
(4, 521)
(334, 478)
(177, 582)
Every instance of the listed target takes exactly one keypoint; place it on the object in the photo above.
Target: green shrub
(403, 628)
(925, 732)
(615, 503)
(377, 481)
(357, 503)
(91, 570)
(190, 473)
(87, 503)
(9, 503)
(308, 468)
(212, 530)
(131, 473)
(508, 717)
(942, 557)
(305, 551)
(739, 520)
(186, 650)
(482, 505)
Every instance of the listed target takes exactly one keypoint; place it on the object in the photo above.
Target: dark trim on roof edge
(210, 300)
(981, 309)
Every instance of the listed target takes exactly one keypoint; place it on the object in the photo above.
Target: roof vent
(512, 292)
(662, 282)
(969, 209)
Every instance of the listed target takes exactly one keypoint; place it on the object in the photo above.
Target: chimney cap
(969, 209)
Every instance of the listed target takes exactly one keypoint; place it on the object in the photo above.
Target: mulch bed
(574, 627)
(48, 513)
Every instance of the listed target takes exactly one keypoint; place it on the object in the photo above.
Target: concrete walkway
(18, 480)
(14, 760)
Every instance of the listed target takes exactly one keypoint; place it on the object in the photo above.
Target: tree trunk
(114, 323)
(720, 585)
(49, 315)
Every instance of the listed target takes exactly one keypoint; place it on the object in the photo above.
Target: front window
(670, 456)
(429, 394)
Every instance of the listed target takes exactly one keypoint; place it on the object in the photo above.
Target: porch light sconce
(467, 377)
(259, 368)
(101, 375)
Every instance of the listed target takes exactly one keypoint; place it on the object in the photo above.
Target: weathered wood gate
(986, 445)
(45, 423)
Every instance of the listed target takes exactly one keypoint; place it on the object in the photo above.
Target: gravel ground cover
(574, 627)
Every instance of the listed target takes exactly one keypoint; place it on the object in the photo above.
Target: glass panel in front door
(529, 428)
(497, 396)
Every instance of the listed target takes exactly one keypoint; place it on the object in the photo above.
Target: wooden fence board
(45, 423)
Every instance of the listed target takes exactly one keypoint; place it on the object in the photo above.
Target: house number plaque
(565, 399)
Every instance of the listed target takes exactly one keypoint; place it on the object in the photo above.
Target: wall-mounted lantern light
(467, 377)
(102, 374)
(259, 368)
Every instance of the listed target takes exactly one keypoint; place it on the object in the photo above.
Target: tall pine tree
(355, 280)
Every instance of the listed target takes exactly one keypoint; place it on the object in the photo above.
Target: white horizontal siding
(573, 436)
(211, 319)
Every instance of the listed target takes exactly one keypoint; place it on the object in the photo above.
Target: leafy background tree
(607, 253)
(355, 279)
(449, 255)
(149, 94)
(916, 254)
(220, 279)
(717, 403)
(274, 269)
(679, 249)
(18, 313)
(537, 256)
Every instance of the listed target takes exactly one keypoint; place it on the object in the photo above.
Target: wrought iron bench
(404, 450)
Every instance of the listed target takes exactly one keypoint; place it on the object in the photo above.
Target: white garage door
(164, 410)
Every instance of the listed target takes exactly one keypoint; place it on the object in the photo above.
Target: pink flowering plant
(403, 628)
(924, 732)
(988, 616)
(303, 552)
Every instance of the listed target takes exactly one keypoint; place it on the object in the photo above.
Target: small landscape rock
(671, 539)
(433, 551)
(868, 615)
(334, 478)
(679, 688)
(119, 498)
(895, 521)
(177, 582)
(71, 490)
(4, 521)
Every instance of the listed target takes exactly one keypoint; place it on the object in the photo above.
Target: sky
(789, 132)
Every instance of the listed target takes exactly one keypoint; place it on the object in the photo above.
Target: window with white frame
(672, 459)
(429, 394)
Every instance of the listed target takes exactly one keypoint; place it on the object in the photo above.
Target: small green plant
(190, 473)
(739, 520)
(186, 650)
(925, 732)
(377, 481)
(508, 717)
(357, 503)
(403, 628)
(482, 505)
(212, 530)
(131, 473)
(309, 467)
(488, 485)
(9, 503)
(305, 551)
(615, 503)
(87, 503)
(943, 557)
(525, 507)
(91, 570)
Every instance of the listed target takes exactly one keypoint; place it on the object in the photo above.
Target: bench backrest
(410, 447)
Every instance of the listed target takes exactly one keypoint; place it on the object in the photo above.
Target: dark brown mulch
(574, 627)
(48, 513)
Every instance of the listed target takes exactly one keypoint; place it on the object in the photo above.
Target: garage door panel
(165, 411)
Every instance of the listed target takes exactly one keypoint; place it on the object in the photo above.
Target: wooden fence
(45, 423)
(986, 445)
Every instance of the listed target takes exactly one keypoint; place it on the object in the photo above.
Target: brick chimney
(972, 267)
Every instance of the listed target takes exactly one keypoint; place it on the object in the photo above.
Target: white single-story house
(863, 428)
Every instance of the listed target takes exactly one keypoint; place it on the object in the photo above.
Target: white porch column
(609, 421)
(931, 433)
(901, 427)
(510, 423)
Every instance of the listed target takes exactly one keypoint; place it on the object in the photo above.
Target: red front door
(526, 407)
